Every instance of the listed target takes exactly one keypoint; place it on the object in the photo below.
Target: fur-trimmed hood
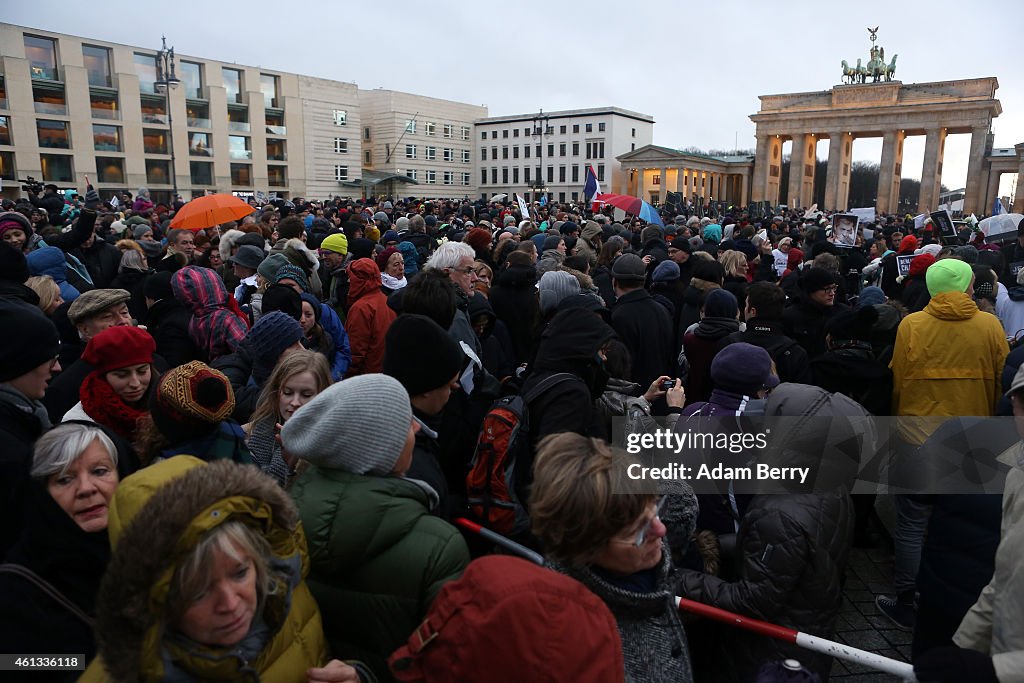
(157, 516)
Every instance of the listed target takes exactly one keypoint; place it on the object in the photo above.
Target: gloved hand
(954, 664)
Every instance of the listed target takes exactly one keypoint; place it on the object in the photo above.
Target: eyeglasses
(465, 270)
(641, 535)
(831, 289)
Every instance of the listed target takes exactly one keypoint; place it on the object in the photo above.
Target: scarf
(266, 451)
(104, 406)
(715, 328)
(392, 282)
(18, 400)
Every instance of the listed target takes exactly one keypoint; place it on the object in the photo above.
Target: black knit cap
(420, 354)
(852, 324)
(282, 298)
(35, 341)
(13, 266)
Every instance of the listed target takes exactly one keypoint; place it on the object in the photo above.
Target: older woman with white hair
(49, 579)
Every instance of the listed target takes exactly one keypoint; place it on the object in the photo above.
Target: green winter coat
(378, 558)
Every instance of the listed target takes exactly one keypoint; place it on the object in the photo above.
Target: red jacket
(369, 318)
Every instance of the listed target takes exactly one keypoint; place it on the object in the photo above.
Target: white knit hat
(554, 286)
(358, 425)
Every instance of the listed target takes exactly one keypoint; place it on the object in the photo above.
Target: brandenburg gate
(883, 108)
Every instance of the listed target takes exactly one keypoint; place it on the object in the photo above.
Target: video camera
(31, 185)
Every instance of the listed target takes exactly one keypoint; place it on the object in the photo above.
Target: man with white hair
(455, 259)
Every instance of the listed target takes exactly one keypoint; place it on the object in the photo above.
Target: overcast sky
(698, 68)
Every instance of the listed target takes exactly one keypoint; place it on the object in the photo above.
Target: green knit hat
(948, 275)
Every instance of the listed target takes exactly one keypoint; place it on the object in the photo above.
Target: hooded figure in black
(849, 366)
(514, 300)
(571, 344)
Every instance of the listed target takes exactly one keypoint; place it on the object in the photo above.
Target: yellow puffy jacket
(947, 361)
(157, 516)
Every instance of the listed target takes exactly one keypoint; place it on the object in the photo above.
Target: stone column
(744, 189)
(974, 202)
(663, 188)
(774, 181)
(680, 179)
(931, 172)
(796, 170)
(640, 183)
(837, 180)
(761, 168)
(889, 172)
(1018, 199)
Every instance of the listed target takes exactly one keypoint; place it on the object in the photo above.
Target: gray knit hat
(358, 425)
(141, 230)
(554, 286)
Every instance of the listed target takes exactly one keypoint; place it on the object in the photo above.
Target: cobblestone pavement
(868, 575)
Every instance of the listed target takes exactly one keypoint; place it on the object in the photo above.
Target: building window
(515, 132)
(158, 172)
(41, 54)
(49, 98)
(656, 179)
(561, 196)
(57, 168)
(448, 130)
(600, 127)
(526, 151)
(590, 149)
(515, 175)
(575, 196)
(634, 132)
(411, 173)
(5, 130)
(276, 150)
(410, 126)
(575, 174)
(561, 149)
(590, 128)
(366, 133)
(575, 128)
(192, 80)
(575, 149)
(526, 132)
(551, 149)
(465, 156)
(429, 129)
(526, 175)
(104, 106)
(241, 174)
(600, 150)
(7, 170)
(201, 172)
(600, 172)
(449, 154)
(97, 65)
(561, 174)
(538, 151)
(341, 145)
(515, 152)
(154, 141)
(238, 119)
(483, 154)
(561, 130)
(410, 151)
(494, 152)
(483, 176)
(494, 135)
(268, 86)
(106, 138)
(154, 109)
(504, 152)
(431, 177)
(431, 154)
(465, 133)
(238, 147)
(494, 176)
(274, 122)
(233, 86)
(277, 176)
(449, 177)
(339, 116)
(145, 69)
(632, 146)
(340, 173)
(551, 174)
(109, 170)
(483, 135)
(368, 158)
(198, 115)
(465, 179)
(504, 133)
(199, 145)
(504, 176)
(53, 134)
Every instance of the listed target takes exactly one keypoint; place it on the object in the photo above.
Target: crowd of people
(239, 452)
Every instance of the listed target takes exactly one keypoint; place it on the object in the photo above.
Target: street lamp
(166, 81)
(540, 129)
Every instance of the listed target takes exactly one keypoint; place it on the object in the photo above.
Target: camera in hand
(668, 384)
(30, 184)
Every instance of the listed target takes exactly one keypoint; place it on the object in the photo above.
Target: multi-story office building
(548, 152)
(423, 138)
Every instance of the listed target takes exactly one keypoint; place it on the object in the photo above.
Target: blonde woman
(48, 291)
(296, 379)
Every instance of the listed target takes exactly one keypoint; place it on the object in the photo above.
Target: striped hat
(190, 401)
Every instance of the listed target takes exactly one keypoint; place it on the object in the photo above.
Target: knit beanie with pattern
(190, 401)
(271, 335)
(358, 425)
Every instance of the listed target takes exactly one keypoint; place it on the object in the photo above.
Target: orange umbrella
(211, 210)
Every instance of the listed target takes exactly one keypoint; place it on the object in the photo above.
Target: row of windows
(429, 176)
(594, 150)
(548, 130)
(430, 153)
(430, 129)
(44, 65)
(533, 175)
